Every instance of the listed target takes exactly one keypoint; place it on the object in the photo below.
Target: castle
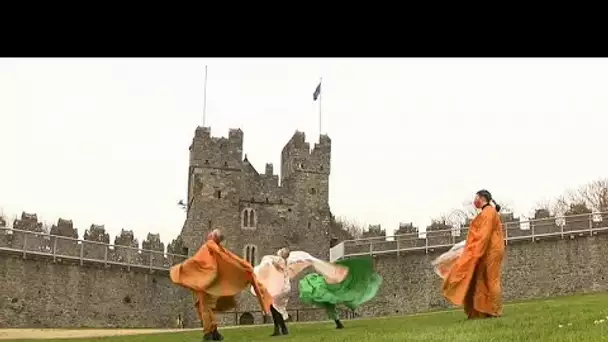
(57, 280)
(258, 212)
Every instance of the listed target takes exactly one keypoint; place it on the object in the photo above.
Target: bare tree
(457, 217)
(468, 210)
(3, 218)
(589, 197)
(544, 204)
(593, 194)
(560, 205)
(46, 227)
(352, 227)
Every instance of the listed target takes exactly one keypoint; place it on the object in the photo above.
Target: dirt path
(49, 334)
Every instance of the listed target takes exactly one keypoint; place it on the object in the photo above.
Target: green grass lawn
(528, 321)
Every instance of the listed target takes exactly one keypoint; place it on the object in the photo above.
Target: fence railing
(532, 230)
(59, 248)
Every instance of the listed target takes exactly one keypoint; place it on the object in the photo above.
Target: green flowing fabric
(361, 285)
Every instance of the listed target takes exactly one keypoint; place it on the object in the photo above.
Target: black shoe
(284, 330)
(339, 325)
(217, 336)
(276, 331)
(208, 337)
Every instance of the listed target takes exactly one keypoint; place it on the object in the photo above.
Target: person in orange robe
(215, 275)
(474, 278)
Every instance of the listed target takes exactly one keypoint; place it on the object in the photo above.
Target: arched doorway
(246, 319)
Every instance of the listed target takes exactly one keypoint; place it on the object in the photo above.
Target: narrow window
(252, 218)
(250, 252)
(245, 217)
(253, 252)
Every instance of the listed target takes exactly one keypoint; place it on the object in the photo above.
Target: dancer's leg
(277, 319)
(206, 309)
(332, 313)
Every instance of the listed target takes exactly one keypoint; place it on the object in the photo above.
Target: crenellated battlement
(27, 236)
(441, 236)
(62, 241)
(64, 228)
(297, 157)
(28, 222)
(216, 152)
(97, 233)
(257, 208)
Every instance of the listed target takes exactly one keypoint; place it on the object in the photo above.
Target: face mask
(477, 203)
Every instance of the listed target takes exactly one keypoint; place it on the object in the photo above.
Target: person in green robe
(350, 282)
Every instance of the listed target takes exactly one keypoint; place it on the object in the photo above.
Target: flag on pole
(317, 92)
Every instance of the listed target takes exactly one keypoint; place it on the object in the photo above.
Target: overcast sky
(106, 140)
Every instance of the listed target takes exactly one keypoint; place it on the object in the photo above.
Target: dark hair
(488, 197)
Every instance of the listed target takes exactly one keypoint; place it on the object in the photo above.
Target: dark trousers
(278, 319)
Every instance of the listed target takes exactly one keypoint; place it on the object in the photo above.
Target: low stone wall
(545, 268)
(36, 292)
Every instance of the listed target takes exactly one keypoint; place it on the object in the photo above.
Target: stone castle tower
(258, 212)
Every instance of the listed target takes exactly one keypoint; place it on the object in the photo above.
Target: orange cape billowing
(474, 279)
(220, 273)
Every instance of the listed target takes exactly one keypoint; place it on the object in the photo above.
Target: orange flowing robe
(216, 273)
(474, 279)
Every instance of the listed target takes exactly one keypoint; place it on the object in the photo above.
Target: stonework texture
(545, 268)
(39, 293)
(258, 213)
(57, 281)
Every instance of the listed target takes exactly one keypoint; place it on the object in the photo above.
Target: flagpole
(320, 98)
(205, 99)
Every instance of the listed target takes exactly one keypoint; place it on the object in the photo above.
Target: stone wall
(35, 292)
(259, 212)
(545, 268)
(225, 191)
(58, 281)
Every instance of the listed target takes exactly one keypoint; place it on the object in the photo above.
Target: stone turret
(122, 252)
(153, 243)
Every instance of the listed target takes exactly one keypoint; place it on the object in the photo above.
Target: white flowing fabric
(275, 273)
(443, 264)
